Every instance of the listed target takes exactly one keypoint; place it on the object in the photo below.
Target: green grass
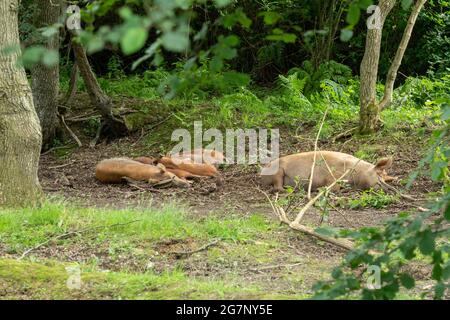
(49, 281)
(108, 256)
(20, 229)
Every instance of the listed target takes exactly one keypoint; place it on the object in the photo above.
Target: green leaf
(50, 58)
(175, 41)
(436, 273)
(228, 53)
(353, 14)
(406, 4)
(407, 281)
(447, 213)
(236, 79)
(95, 44)
(231, 19)
(216, 64)
(125, 13)
(439, 291)
(336, 273)
(270, 17)
(32, 55)
(284, 37)
(446, 271)
(222, 3)
(133, 40)
(437, 170)
(50, 31)
(446, 113)
(346, 34)
(231, 41)
(426, 244)
(364, 4)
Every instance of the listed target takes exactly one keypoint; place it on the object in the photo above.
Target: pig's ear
(383, 164)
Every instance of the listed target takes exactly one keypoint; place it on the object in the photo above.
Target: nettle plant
(393, 247)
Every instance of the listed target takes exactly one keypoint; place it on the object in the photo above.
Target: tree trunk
(392, 73)
(20, 134)
(112, 126)
(369, 114)
(45, 80)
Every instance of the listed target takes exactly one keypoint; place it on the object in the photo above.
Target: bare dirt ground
(73, 177)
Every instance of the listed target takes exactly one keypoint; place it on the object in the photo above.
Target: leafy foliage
(394, 246)
(330, 70)
(372, 198)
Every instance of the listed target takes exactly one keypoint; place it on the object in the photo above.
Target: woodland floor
(277, 263)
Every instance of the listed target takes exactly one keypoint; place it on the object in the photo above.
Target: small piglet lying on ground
(296, 169)
(199, 163)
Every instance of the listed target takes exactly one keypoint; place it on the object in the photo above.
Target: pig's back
(299, 165)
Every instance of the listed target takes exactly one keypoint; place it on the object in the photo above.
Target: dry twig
(72, 134)
(315, 153)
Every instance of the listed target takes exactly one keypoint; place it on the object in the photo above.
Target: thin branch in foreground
(282, 216)
(315, 153)
(321, 193)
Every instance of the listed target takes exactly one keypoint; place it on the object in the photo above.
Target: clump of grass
(377, 199)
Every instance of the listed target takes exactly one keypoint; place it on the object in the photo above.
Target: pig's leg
(278, 181)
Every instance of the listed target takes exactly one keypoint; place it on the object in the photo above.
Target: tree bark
(45, 80)
(113, 126)
(20, 133)
(369, 114)
(392, 73)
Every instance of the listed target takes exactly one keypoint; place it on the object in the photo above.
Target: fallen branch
(202, 248)
(55, 148)
(282, 216)
(277, 266)
(387, 187)
(320, 194)
(72, 233)
(62, 165)
(342, 243)
(94, 141)
(80, 119)
(343, 134)
(72, 134)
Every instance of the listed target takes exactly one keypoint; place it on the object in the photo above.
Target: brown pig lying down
(296, 169)
(116, 169)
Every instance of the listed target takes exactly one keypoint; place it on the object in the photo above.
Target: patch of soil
(73, 178)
